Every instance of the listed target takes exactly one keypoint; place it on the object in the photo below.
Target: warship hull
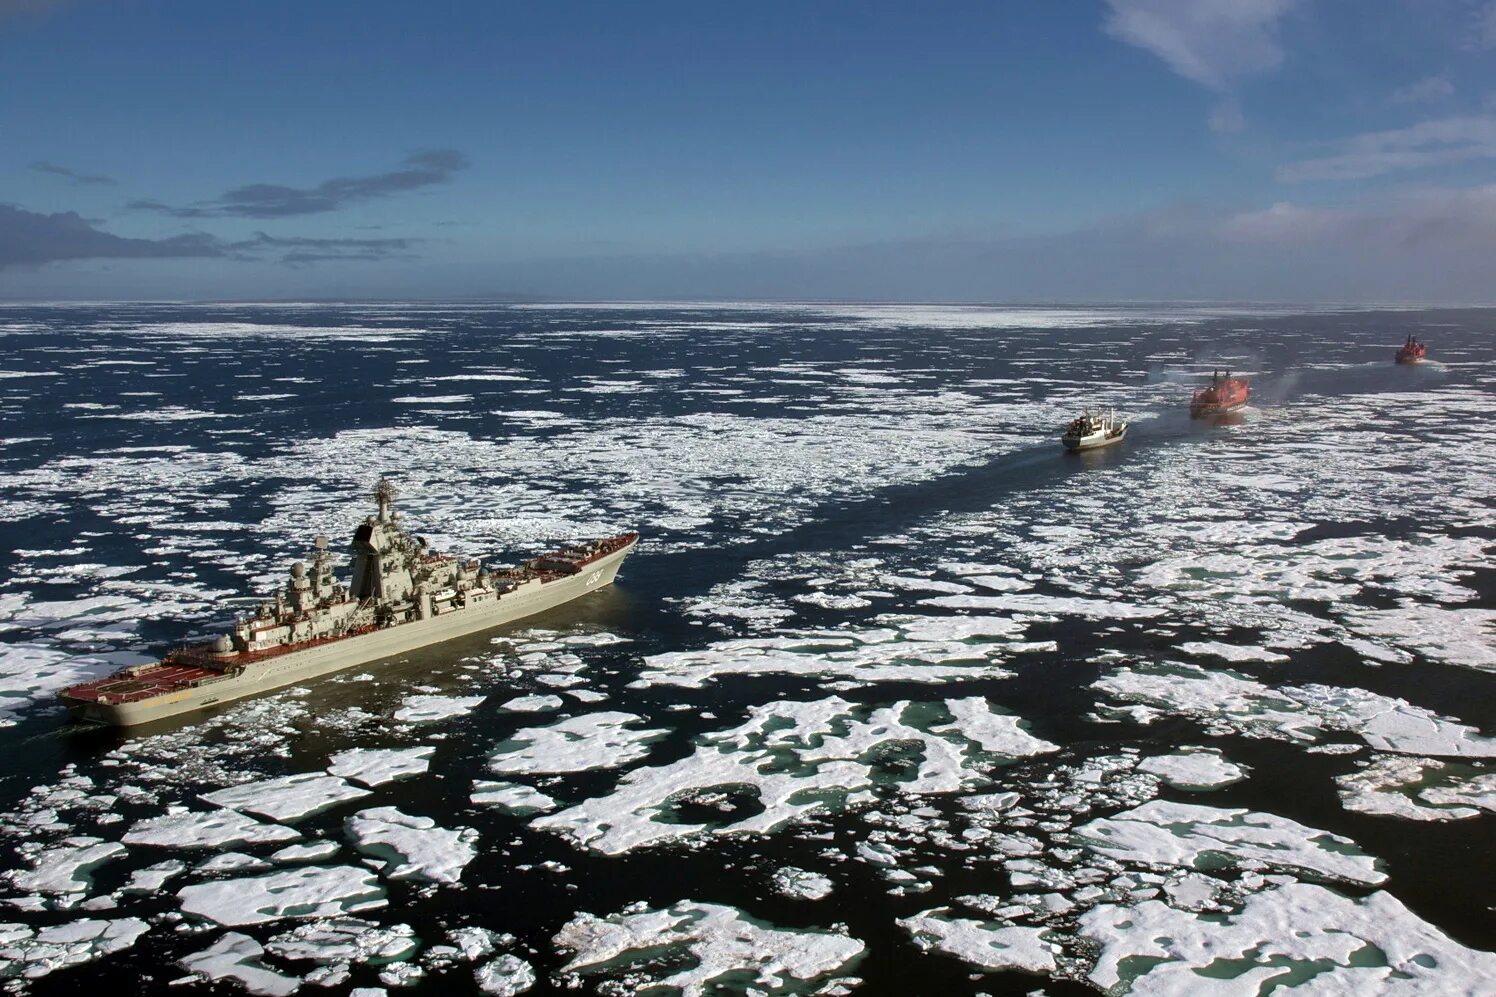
(324, 657)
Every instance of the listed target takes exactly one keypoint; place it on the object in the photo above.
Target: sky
(1090, 150)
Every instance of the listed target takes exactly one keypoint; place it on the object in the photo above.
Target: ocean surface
(895, 697)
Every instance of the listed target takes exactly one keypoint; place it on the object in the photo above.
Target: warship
(1094, 429)
(401, 595)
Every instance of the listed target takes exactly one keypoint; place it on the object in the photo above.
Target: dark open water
(845, 509)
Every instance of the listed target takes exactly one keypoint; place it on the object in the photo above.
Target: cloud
(1485, 26)
(1226, 118)
(1212, 42)
(27, 237)
(300, 251)
(263, 200)
(1428, 143)
(1448, 219)
(71, 176)
(1430, 88)
(30, 238)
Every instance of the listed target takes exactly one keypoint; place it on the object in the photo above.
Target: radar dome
(298, 570)
(222, 645)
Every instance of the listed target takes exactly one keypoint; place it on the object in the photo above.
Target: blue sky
(1245, 149)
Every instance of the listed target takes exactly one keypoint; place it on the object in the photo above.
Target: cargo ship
(1224, 394)
(1412, 352)
(1094, 429)
(401, 595)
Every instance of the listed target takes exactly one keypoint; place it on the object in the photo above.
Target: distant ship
(1094, 429)
(402, 595)
(1225, 394)
(1412, 352)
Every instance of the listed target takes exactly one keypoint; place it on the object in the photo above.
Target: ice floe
(797, 758)
(1194, 770)
(1161, 834)
(424, 709)
(1233, 702)
(377, 766)
(722, 944)
(237, 957)
(1418, 789)
(982, 944)
(511, 797)
(504, 976)
(314, 891)
(32, 954)
(575, 744)
(801, 884)
(217, 829)
(412, 847)
(1296, 937)
(288, 797)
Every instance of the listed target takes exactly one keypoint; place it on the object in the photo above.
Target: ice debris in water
(288, 797)
(337, 944)
(218, 829)
(424, 709)
(1161, 834)
(801, 884)
(576, 744)
(795, 758)
(723, 945)
(1417, 789)
(237, 957)
(32, 954)
(504, 976)
(412, 847)
(1233, 702)
(316, 891)
(1194, 770)
(377, 766)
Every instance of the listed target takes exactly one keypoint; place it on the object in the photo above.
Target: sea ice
(377, 766)
(512, 797)
(1194, 770)
(980, 943)
(65, 869)
(724, 948)
(1164, 835)
(1417, 789)
(797, 758)
(1297, 936)
(424, 709)
(33, 954)
(288, 797)
(218, 829)
(1234, 702)
(412, 847)
(533, 704)
(575, 744)
(313, 891)
(913, 649)
(504, 976)
(236, 957)
(801, 884)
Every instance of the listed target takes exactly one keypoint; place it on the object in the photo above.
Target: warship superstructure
(400, 595)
